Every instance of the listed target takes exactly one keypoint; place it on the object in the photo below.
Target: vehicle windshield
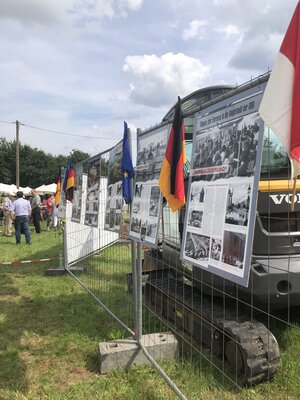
(275, 161)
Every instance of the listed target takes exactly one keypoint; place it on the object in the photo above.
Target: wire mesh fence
(208, 335)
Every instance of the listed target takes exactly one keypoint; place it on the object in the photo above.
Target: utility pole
(17, 155)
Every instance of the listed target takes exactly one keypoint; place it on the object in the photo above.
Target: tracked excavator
(213, 311)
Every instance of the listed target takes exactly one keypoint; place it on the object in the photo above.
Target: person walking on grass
(36, 211)
(21, 212)
(7, 214)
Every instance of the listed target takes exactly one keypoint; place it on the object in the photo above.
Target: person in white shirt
(21, 212)
(7, 205)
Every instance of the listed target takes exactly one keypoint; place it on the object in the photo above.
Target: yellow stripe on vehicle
(277, 185)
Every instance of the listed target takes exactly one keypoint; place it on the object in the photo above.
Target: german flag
(70, 184)
(171, 179)
(58, 191)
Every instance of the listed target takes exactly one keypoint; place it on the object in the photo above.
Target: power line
(6, 122)
(62, 133)
(68, 134)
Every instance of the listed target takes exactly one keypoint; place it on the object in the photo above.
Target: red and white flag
(280, 106)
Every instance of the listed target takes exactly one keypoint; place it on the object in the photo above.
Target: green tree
(36, 166)
(7, 161)
(77, 156)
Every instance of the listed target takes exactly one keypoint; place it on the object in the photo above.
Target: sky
(82, 67)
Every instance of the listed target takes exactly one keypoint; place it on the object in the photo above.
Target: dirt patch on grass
(73, 375)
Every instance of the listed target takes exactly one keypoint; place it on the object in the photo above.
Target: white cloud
(133, 4)
(159, 80)
(230, 30)
(61, 60)
(195, 30)
(43, 12)
(258, 55)
(34, 11)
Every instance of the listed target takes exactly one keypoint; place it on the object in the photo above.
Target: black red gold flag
(171, 179)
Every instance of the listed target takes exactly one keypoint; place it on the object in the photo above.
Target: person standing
(36, 211)
(49, 209)
(54, 214)
(21, 212)
(7, 206)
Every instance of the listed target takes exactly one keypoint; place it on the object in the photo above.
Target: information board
(92, 194)
(114, 202)
(145, 215)
(223, 184)
(77, 197)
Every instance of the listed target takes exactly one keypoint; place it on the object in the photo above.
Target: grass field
(50, 330)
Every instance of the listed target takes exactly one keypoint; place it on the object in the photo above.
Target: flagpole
(294, 194)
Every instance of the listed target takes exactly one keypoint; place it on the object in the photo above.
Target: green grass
(47, 244)
(50, 330)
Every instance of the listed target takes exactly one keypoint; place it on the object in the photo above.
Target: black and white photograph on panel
(112, 215)
(147, 199)
(238, 202)
(93, 186)
(195, 218)
(114, 165)
(197, 246)
(150, 154)
(138, 190)
(215, 249)
(143, 229)
(118, 219)
(77, 197)
(113, 159)
(197, 191)
(151, 230)
(233, 248)
(136, 225)
(154, 201)
(136, 206)
(62, 208)
(225, 166)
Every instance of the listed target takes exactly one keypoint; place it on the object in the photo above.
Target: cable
(68, 134)
(6, 122)
(62, 133)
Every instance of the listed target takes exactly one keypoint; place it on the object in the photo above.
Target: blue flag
(66, 176)
(126, 166)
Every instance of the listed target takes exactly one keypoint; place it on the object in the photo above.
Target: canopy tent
(46, 189)
(12, 189)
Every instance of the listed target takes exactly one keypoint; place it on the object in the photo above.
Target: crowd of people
(19, 212)
(233, 147)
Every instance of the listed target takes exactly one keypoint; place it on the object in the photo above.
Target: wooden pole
(17, 155)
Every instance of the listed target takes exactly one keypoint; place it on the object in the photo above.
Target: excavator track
(247, 349)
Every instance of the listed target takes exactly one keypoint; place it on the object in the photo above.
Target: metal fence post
(134, 285)
(65, 245)
(139, 293)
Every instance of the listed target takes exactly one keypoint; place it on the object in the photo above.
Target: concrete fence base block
(125, 353)
(62, 271)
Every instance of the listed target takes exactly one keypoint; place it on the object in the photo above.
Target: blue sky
(84, 66)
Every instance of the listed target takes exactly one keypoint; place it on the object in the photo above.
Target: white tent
(12, 189)
(6, 189)
(46, 189)
(26, 191)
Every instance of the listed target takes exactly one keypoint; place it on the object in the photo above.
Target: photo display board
(223, 184)
(92, 195)
(77, 197)
(61, 213)
(146, 204)
(114, 201)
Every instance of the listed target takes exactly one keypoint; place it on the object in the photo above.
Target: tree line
(36, 166)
